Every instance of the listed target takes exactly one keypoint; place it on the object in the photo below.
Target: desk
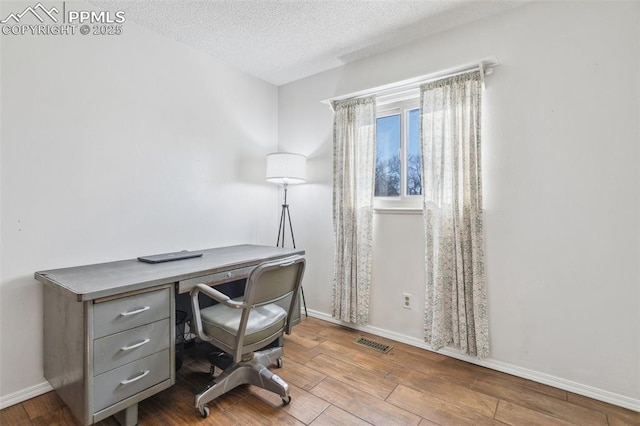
(109, 329)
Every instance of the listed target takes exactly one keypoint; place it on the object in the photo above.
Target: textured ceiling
(284, 40)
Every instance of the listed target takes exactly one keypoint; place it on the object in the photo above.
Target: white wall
(115, 147)
(561, 182)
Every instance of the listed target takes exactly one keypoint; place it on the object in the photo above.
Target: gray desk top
(107, 279)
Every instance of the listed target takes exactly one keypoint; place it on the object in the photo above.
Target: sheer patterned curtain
(456, 290)
(354, 147)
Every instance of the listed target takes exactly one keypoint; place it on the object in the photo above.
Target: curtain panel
(456, 290)
(354, 147)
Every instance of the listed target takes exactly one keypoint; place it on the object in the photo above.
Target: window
(388, 136)
(398, 173)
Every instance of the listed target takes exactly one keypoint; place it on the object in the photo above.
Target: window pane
(387, 159)
(414, 167)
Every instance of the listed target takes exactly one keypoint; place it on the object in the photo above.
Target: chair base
(254, 372)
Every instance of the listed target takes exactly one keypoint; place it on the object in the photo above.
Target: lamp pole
(286, 168)
(285, 216)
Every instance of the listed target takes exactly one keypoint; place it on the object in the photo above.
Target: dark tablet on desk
(168, 257)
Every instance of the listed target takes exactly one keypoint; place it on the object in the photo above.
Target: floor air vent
(380, 347)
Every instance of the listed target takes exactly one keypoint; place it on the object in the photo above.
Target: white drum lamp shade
(286, 168)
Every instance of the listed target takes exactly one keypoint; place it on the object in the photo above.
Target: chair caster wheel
(279, 363)
(286, 400)
(204, 411)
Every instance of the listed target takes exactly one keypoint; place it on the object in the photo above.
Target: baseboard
(24, 394)
(536, 376)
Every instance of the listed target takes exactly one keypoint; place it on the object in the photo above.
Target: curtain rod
(485, 66)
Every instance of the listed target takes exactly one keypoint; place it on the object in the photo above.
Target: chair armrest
(215, 295)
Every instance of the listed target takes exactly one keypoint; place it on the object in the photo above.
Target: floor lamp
(287, 169)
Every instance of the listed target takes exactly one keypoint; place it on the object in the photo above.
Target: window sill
(406, 205)
(397, 210)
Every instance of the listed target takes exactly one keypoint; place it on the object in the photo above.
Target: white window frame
(388, 107)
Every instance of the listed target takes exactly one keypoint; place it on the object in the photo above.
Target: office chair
(242, 326)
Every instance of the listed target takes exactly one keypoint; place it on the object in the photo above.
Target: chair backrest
(272, 281)
(267, 283)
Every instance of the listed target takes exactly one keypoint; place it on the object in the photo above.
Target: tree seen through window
(398, 160)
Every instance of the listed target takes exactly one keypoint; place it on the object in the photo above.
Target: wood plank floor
(336, 382)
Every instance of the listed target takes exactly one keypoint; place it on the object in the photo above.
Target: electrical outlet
(406, 300)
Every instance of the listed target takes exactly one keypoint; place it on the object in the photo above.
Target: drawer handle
(137, 345)
(137, 311)
(135, 379)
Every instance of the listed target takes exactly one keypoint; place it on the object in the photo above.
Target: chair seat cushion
(222, 322)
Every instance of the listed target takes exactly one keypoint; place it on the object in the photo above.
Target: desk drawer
(137, 376)
(185, 286)
(122, 348)
(132, 311)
